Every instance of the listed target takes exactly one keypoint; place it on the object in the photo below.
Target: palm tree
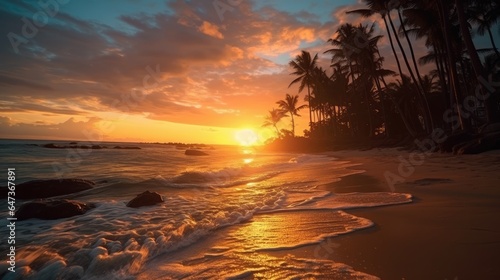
(467, 37)
(289, 105)
(379, 6)
(364, 64)
(303, 67)
(384, 8)
(485, 16)
(274, 117)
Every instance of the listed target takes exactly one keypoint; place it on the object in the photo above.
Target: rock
(73, 145)
(145, 199)
(487, 142)
(52, 210)
(491, 128)
(52, 146)
(49, 188)
(453, 140)
(195, 153)
(127, 148)
(470, 147)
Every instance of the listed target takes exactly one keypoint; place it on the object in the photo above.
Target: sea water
(223, 213)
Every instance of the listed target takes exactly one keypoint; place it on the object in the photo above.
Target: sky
(157, 71)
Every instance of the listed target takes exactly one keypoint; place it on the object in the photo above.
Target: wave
(113, 240)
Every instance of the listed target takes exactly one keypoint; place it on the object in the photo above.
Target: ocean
(232, 214)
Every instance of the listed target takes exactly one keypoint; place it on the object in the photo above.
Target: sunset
(162, 70)
(232, 139)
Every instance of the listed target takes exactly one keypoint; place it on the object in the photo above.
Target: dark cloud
(212, 70)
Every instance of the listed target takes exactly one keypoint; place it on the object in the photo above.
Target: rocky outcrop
(52, 146)
(48, 188)
(453, 140)
(73, 145)
(490, 141)
(146, 198)
(52, 210)
(127, 147)
(195, 153)
(486, 139)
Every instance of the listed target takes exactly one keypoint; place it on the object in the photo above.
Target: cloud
(69, 129)
(210, 30)
(210, 71)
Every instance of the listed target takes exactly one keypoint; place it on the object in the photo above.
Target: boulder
(52, 146)
(52, 210)
(455, 139)
(195, 153)
(491, 128)
(48, 188)
(145, 199)
(484, 143)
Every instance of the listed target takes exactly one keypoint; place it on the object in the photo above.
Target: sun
(246, 137)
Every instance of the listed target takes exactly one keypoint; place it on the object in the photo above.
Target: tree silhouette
(303, 67)
(274, 117)
(289, 105)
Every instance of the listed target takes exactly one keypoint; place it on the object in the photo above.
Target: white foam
(114, 241)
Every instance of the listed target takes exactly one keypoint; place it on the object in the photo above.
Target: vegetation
(359, 100)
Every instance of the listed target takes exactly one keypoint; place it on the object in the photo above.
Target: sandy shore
(450, 231)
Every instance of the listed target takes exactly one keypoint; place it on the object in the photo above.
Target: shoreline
(451, 230)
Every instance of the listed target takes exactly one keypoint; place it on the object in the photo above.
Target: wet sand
(450, 231)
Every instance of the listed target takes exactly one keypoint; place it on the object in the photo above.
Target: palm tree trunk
(277, 131)
(310, 109)
(392, 46)
(415, 81)
(454, 84)
(406, 123)
(493, 42)
(293, 125)
(426, 103)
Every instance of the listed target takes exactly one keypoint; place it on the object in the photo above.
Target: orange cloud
(210, 29)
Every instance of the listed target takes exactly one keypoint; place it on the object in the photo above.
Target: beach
(241, 214)
(451, 230)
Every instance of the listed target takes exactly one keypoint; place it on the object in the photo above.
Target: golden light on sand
(246, 137)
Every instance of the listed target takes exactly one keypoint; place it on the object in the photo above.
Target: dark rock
(145, 199)
(73, 143)
(49, 188)
(97, 147)
(453, 140)
(195, 153)
(482, 144)
(127, 148)
(470, 147)
(52, 146)
(52, 210)
(491, 128)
